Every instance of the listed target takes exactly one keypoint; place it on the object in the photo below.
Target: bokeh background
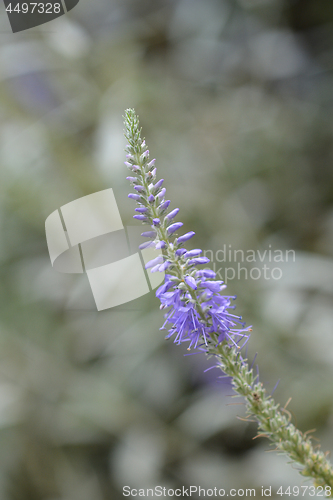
(235, 99)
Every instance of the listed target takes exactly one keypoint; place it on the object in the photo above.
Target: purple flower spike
(214, 286)
(192, 253)
(140, 217)
(151, 198)
(148, 234)
(141, 209)
(180, 251)
(174, 227)
(191, 282)
(161, 194)
(140, 189)
(185, 237)
(146, 244)
(158, 260)
(199, 260)
(172, 214)
(156, 222)
(160, 244)
(135, 197)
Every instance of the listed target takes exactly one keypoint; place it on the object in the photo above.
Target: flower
(197, 312)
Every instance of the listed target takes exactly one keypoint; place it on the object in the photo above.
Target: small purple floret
(191, 282)
(141, 209)
(146, 244)
(151, 198)
(174, 227)
(161, 194)
(135, 197)
(192, 253)
(206, 273)
(140, 217)
(164, 206)
(172, 214)
(198, 261)
(140, 189)
(158, 260)
(148, 234)
(214, 286)
(180, 251)
(185, 237)
(164, 266)
(158, 184)
(156, 222)
(160, 244)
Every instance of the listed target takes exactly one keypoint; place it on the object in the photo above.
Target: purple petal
(174, 227)
(191, 282)
(151, 163)
(140, 189)
(214, 286)
(156, 222)
(141, 209)
(199, 260)
(146, 244)
(185, 237)
(158, 184)
(192, 253)
(160, 244)
(207, 273)
(155, 269)
(148, 234)
(163, 207)
(133, 196)
(172, 214)
(158, 260)
(161, 194)
(164, 266)
(132, 179)
(128, 164)
(140, 217)
(180, 251)
(151, 198)
(163, 288)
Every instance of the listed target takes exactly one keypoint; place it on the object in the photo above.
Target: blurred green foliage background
(235, 99)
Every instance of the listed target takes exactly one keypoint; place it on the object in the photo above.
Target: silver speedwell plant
(199, 314)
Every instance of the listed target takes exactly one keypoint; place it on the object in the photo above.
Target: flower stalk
(200, 315)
